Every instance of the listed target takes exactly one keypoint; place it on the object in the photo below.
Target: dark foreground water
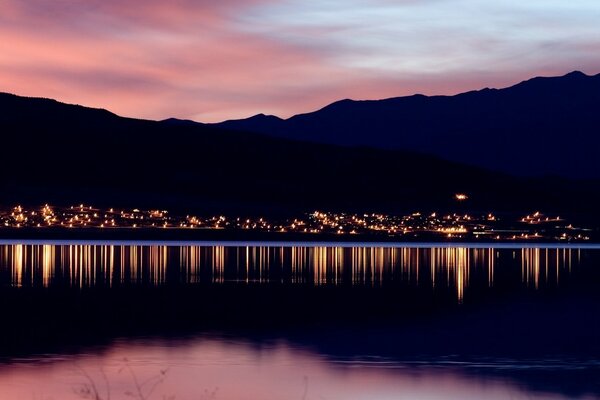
(183, 321)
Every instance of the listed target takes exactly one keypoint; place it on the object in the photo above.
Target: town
(533, 227)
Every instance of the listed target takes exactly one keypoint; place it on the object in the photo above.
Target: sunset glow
(211, 61)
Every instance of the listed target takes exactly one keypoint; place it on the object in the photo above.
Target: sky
(210, 60)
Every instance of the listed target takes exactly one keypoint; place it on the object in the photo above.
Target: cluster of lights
(539, 218)
(535, 226)
(556, 225)
(452, 225)
(81, 216)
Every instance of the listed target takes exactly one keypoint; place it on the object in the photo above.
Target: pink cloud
(179, 60)
(198, 59)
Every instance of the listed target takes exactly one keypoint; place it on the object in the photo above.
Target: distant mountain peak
(576, 74)
(177, 121)
(264, 116)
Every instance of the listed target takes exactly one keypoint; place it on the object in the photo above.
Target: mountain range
(543, 126)
(60, 153)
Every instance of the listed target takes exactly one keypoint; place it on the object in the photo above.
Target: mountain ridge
(59, 153)
(574, 73)
(536, 112)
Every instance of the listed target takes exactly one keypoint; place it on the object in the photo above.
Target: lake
(185, 320)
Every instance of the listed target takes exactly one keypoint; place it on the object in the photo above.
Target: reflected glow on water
(80, 265)
(347, 364)
(228, 370)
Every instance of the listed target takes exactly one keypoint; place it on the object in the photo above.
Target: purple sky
(212, 60)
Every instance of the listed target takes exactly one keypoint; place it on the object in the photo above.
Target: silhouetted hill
(58, 153)
(543, 126)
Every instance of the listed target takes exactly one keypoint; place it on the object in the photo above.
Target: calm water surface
(115, 265)
(221, 369)
(229, 368)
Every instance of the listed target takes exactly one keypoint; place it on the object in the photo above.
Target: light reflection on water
(89, 265)
(229, 370)
(221, 368)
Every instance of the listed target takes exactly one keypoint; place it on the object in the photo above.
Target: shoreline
(239, 238)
